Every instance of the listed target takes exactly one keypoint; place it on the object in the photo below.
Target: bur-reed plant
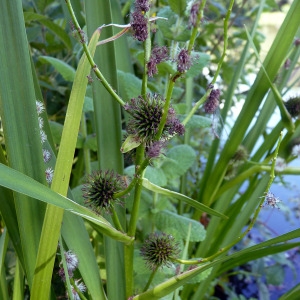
(116, 182)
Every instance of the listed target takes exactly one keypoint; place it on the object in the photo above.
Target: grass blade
(54, 215)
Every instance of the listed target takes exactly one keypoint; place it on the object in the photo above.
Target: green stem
(195, 28)
(138, 190)
(89, 56)
(203, 99)
(116, 220)
(150, 279)
(147, 52)
(187, 137)
(137, 175)
(226, 20)
(166, 109)
(241, 177)
(196, 106)
(129, 249)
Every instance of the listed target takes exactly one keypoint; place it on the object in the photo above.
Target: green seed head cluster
(100, 189)
(146, 115)
(159, 250)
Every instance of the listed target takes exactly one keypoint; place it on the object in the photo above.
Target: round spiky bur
(146, 114)
(159, 250)
(100, 189)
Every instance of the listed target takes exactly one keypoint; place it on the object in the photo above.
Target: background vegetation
(202, 194)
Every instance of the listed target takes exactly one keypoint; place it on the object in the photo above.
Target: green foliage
(66, 71)
(178, 160)
(186, 183)
(167, 221)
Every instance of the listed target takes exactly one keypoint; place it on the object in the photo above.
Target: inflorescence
(72, 265)
(271, 200)
(139, 23)
(49, 172)
(159, 250)
(100, 189)
(146, 114)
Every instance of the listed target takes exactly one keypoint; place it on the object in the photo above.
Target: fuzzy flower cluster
(139, 23)
(142, 5)
(100, 189)
(46, 153)
(184, 61)
(158, 55)
(271, 200)
(72, 264)
(80, 286)
(212, 103)
(159, 250)
(194, 14)
(146, 114)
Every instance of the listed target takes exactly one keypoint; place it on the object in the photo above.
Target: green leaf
(56, 29)
(178, 6)
(54, 215)
(169, 27)
(4, 239)
(178, 160)
(88, 104)
(19, 122)
(66, 71)
(200, 277)
(157, 189)
(196, 121)
(292, 294)
(130, 84)
(166, 219)
(31, 16)
(130, 143)
(285, 116)
(91, 142)
(156, 175)
(23, 184)
(275, 274)
(57, 129)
